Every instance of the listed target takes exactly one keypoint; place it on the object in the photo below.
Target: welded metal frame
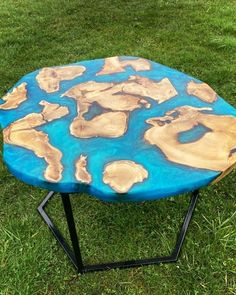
(75, 254)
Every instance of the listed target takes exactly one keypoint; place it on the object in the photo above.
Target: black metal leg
(75, 256)
(72, 229)
(184, 228)
(55, 231)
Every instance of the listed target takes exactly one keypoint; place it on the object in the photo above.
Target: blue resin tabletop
(121, 128)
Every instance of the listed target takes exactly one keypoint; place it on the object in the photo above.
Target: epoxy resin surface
(121, 128)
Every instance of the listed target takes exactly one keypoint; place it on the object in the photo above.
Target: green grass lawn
(196, 37)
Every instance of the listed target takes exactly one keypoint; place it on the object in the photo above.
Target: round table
(121, 129)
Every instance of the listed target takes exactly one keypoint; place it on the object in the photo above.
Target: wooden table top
(120, 128)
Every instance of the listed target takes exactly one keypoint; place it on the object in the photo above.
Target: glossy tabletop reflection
(120, 128)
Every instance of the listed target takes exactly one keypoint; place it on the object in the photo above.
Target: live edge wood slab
(121, 128)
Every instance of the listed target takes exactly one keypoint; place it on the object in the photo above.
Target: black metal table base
(75, 254)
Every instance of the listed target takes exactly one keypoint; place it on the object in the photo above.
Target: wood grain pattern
(81, 173)
(120, 98)
(114, 65)
(159, 91)
(224, 173)
(122, 175)
(122, 109)
(15, 98)
(212, 151)
(22, 133)
(109, 124)
(201, 91)
(49, 78)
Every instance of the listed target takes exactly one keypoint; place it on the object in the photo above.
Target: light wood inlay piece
(122, 175)
(109, 124)
(22, 133)
(81, 173)
(202, 91)
(49, 78)
(15, 98)
(212, 151)
(114, 65)
(120, 98)
(159, 91)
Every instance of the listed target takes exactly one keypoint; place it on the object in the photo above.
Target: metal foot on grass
(75, 254)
